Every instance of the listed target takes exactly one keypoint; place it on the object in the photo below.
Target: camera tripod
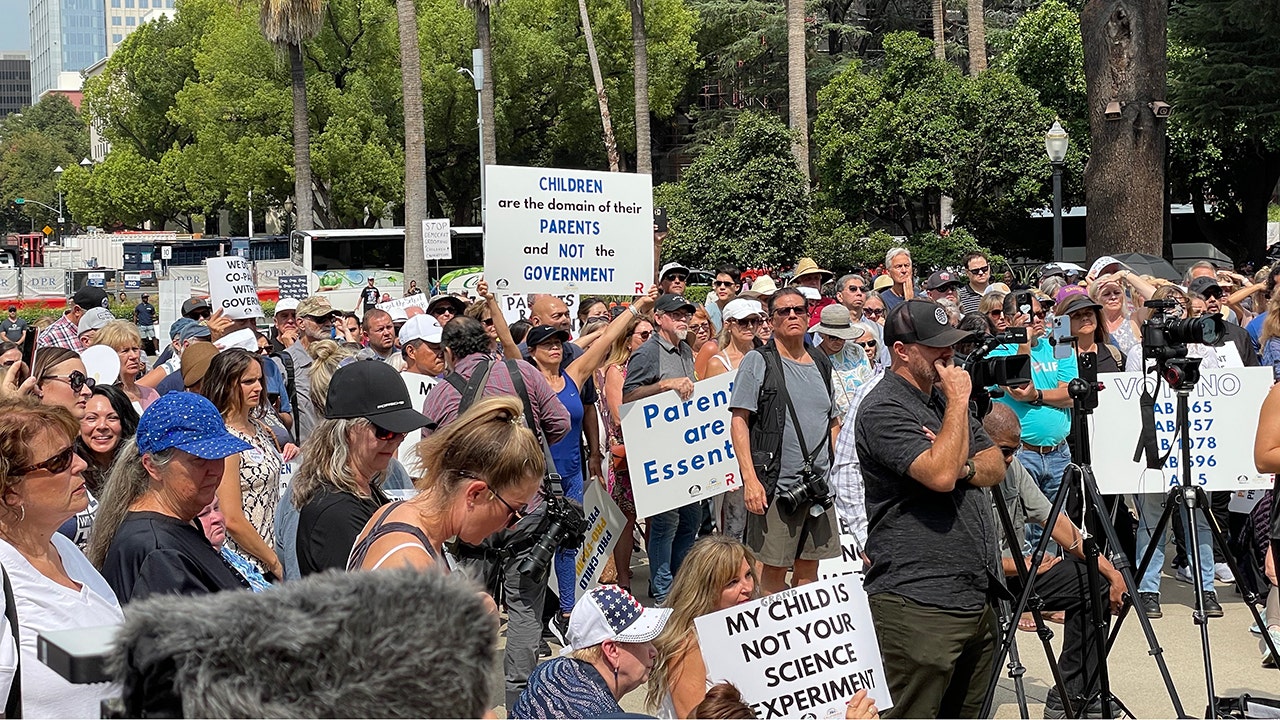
(1182, 375)
(1077, 478)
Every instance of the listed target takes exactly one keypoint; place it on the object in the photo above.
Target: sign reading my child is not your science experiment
(568, 231)
(679, 451)
(803, 652)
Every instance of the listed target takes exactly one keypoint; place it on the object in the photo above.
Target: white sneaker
(1184, 575)
(1222, 573)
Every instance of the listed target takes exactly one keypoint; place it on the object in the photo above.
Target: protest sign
(232, 289)
(605, 523)
(1221, 457)
(803, 652)
(96, 279)
(1243, 501)
(679, 451)
(420, 300)
(849, 562)
(561, 231)
(293, 286)
(437, 240)
(516, 307)
(287, 470)
(418, 386)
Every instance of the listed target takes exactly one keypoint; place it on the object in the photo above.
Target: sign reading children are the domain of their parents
(678, 451)
(568, 231)
(802, 652)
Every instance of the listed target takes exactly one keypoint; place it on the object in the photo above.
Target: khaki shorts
(775, 537)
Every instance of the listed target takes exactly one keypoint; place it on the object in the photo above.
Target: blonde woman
(718, 573)
(1122, 323)
(992, 308)
(123, 337)
(742, 317)
(611, 377)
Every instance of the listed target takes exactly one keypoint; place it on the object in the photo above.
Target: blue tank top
(567, 453)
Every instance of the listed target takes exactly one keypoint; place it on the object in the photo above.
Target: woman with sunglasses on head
(1119, 321)
(546, 348)
(109, 421)
(345, 460)
(479, 475)
(54, 585)
(61, 380)
(250, 487)
(611, 377)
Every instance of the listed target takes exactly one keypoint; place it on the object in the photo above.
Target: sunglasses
(677, 277)
(384, 434)
(873, 312)
(857, 289)
(202, 315)
(996, 313)
(517, 513)
(488, 322)
(749, 321)
(442, 311)
(55, 465)
(1039, 314)
(700, 327)
(1008, 450)
(791, 310)
(866, 343)
(724, 283)
(980, 270)
(643, 334)
(76, 380)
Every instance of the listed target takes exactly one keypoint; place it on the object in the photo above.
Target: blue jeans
(671, 534)
(1149, 506)
(1047, 471)
(567, 560)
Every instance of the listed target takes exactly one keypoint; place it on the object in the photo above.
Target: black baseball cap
(941, 279)
(1204, 286)
(194, 305)
(373, 390)
(89, 297)
(671, 302)
(542, 333)
(922, 322)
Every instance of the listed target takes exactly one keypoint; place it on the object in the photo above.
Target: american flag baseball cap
(610, 613)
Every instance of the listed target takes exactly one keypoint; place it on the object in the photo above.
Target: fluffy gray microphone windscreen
(394, 644)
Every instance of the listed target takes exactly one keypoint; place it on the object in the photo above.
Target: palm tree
(977, 37)
(610, 144)
(415, 142)
(287, 24)
(797, 91)
(640, 48)
(939, 30)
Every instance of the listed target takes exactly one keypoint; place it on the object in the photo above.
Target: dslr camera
(812, 490)
(563, 527)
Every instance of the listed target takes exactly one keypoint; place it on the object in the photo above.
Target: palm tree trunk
(486, 94)
(640, 47)
(977, 37)
(610, 144)
(302, 198)
(797, 90)
(415, 171)
(939, 31)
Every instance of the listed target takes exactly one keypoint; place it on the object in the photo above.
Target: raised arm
(510, 348)
(594, 356)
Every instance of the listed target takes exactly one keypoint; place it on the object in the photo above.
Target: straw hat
(764, 286)
(807, 266)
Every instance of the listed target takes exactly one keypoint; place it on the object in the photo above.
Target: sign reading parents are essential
(232, 289)
(803, 652)
(568, 231)
(679, 451)
(1221, 455)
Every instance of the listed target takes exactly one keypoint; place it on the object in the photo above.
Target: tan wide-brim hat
(807, 266)
(763, 286)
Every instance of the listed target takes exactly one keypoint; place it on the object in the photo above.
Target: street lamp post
(1055, 144)
(57, 181)
(476, 73)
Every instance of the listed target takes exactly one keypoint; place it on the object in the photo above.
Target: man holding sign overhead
(931, 540)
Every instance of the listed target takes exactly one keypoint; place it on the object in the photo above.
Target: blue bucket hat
(179, 325)
(188, 422)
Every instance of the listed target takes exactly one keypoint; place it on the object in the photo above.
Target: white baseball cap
(287, 304)
(610, 613)
(740, 308)
(94, 319)
(421, 327)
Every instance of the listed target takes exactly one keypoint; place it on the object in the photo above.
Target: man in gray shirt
(783, 534)
(665, 362)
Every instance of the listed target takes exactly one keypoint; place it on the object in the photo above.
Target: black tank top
(380, 529)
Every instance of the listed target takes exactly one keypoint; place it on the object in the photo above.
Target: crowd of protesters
(247, 458)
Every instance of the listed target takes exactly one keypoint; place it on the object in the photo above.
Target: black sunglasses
(790, 310)
(55, 465)
(866, 343)
(681, 277)
(382, 433)
(644, 334)
(1008, 450)
(725, 283)
(517, 514)
(76, 379)
(980, 270)
(873, 312)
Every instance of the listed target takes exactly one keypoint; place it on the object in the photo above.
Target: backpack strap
(290, 387)
(470, 390)
(553, 478)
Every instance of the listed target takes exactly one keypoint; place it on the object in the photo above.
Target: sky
(13, 30)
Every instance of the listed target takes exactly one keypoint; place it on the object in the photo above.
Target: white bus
(340, 261)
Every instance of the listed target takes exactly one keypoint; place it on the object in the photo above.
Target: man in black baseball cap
(930, 538)
(65, 332)
(197, 309)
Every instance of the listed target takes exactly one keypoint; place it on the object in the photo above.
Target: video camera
(1165, 337)
(984, 372)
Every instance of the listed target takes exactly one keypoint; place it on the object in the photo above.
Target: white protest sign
(1243, 501)
(232, 289)
(848, 562)
(437, 240)
(1220, 404)
(420, 300)
(803, 652)
(287, 470)
(516, 307)
(678, 451)
(605, 523)
(558, 231)
(418, 385)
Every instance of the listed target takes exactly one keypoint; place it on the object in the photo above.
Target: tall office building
(124, 16)
(15, 82)
(67, 36)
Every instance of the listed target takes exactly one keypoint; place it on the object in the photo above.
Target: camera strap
(1147, 444)
(13, 705)
(809, 456)
(552, 480)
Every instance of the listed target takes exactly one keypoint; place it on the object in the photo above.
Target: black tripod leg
(1028, 588)
(1016, 669)
(1251, 598)
(1121, 564)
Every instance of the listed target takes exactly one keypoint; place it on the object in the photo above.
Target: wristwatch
(1039, 398)
(970, 470)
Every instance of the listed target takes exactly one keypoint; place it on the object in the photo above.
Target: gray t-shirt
(813, 407)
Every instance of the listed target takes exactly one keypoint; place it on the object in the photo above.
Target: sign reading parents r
(232, 289)
(679, 451)
(568, 231)
(437, 240)
(1221, 455)
(803, 652)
